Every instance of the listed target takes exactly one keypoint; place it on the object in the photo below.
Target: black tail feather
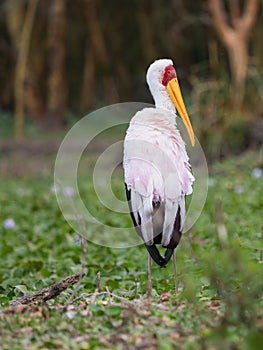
(156, 256)
(168, 254)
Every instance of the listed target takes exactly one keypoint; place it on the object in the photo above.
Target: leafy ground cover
(219, 305)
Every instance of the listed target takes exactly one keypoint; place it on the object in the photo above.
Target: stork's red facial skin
(169, 73)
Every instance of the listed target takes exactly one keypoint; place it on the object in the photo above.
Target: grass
(219, 269)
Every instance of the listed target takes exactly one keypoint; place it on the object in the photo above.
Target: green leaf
(21, 288)
(95, 309)
(113, 310)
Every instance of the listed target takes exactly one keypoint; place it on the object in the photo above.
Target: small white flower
(9, 223)
(68, 191)
(54, 188)
(257, 173)
(21, 191)
(239, 189)
(70, 314)
(211, 182)
(79, 240)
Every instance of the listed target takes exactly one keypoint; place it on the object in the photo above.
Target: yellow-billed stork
(156, 166)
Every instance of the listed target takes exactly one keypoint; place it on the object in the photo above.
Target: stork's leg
(175, 276)
(149, 286)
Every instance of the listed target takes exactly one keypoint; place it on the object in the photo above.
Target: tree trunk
(33, 96)
(235, 37)
(87, 93)
(99, 48)
(238, 57)
(20, 28)
(56, 98)
(146, 31)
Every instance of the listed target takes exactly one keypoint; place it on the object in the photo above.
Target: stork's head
(163, 83)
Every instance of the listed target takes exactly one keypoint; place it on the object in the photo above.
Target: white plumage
(156, 164)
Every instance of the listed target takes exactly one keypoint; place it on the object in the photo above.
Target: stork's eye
(168, 74)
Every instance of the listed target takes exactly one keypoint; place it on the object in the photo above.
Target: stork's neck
(162, 100)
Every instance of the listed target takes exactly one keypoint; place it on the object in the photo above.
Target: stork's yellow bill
(175, 94)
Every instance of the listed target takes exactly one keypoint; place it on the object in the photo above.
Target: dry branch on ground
(48, 293)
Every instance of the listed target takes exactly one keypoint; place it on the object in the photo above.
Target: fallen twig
(93, 296)
(109, 294)
(48, 293)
